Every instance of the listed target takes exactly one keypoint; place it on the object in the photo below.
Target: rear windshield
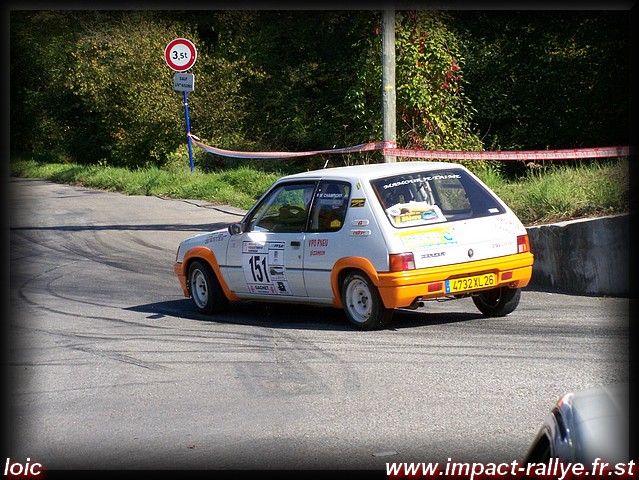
(422, 198)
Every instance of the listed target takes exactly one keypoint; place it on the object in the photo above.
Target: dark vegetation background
(92, 87)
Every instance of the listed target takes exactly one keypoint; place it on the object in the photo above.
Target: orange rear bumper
(401, 289)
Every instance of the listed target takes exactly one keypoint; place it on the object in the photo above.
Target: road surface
(112, 368)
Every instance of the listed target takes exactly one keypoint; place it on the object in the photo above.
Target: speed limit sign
(180, 54)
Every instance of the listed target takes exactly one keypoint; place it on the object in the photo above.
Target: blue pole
(188, 129)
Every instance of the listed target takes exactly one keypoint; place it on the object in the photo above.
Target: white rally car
(368, 239)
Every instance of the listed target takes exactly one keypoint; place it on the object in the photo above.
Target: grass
(561, 192)
(544, 194)
(239, 187)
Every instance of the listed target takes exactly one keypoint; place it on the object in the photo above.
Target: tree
(94, 86)
(547, 79)
(125, 113)
(432, 107)
(433, 110)
(39, 102)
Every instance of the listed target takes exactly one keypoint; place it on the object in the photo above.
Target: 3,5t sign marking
(180, 54)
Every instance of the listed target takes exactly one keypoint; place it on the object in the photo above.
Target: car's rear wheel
(205, 289)
(362, 303)
(497, 302)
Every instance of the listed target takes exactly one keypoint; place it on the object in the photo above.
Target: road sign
(180, 54)
(184, 82)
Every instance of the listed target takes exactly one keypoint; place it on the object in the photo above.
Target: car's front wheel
(497, 302)
(205, 289)
(362, 303)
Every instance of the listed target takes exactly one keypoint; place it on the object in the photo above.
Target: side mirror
(235, 228)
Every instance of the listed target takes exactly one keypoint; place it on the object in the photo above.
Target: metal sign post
(180, 55)
(185, 82)
(188, 130)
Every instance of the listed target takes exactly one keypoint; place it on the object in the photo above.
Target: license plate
(471, 283)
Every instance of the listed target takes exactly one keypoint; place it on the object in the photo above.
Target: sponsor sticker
(264, 270)
(435, 236)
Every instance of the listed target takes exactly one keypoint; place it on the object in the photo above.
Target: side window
(329, 206)
(284, 209)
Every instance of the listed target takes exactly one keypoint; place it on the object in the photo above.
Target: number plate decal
(471, 283)
(264, 270)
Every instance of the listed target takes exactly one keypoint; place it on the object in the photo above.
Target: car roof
(372, 170)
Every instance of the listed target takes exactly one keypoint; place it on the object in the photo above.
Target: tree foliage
(435, 112)
(100, 90)
(547, 79)
(93, 87)
(304, 65)
(122, 100)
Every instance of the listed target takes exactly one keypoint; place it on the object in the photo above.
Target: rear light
(523, 245)
(400, 262)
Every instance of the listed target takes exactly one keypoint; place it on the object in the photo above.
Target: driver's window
(284, 209)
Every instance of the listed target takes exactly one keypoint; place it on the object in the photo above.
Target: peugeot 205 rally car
(368, 239)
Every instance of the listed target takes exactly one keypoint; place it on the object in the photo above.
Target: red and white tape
(567, 154)
(365, 147)
(390, 149)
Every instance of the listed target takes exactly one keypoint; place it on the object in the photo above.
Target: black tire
(204, 287)
(497, 302)
(362, 303)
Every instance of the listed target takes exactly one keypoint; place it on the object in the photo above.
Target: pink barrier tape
(568, 154)
(390, 149)
(364, 147)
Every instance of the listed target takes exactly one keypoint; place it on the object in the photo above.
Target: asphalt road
(111, 368)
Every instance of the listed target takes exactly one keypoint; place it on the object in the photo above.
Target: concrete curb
(589, 256)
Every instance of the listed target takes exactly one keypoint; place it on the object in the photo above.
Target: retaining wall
(588, 256)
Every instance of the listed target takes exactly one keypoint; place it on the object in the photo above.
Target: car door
(266, 259)
(326, 240)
